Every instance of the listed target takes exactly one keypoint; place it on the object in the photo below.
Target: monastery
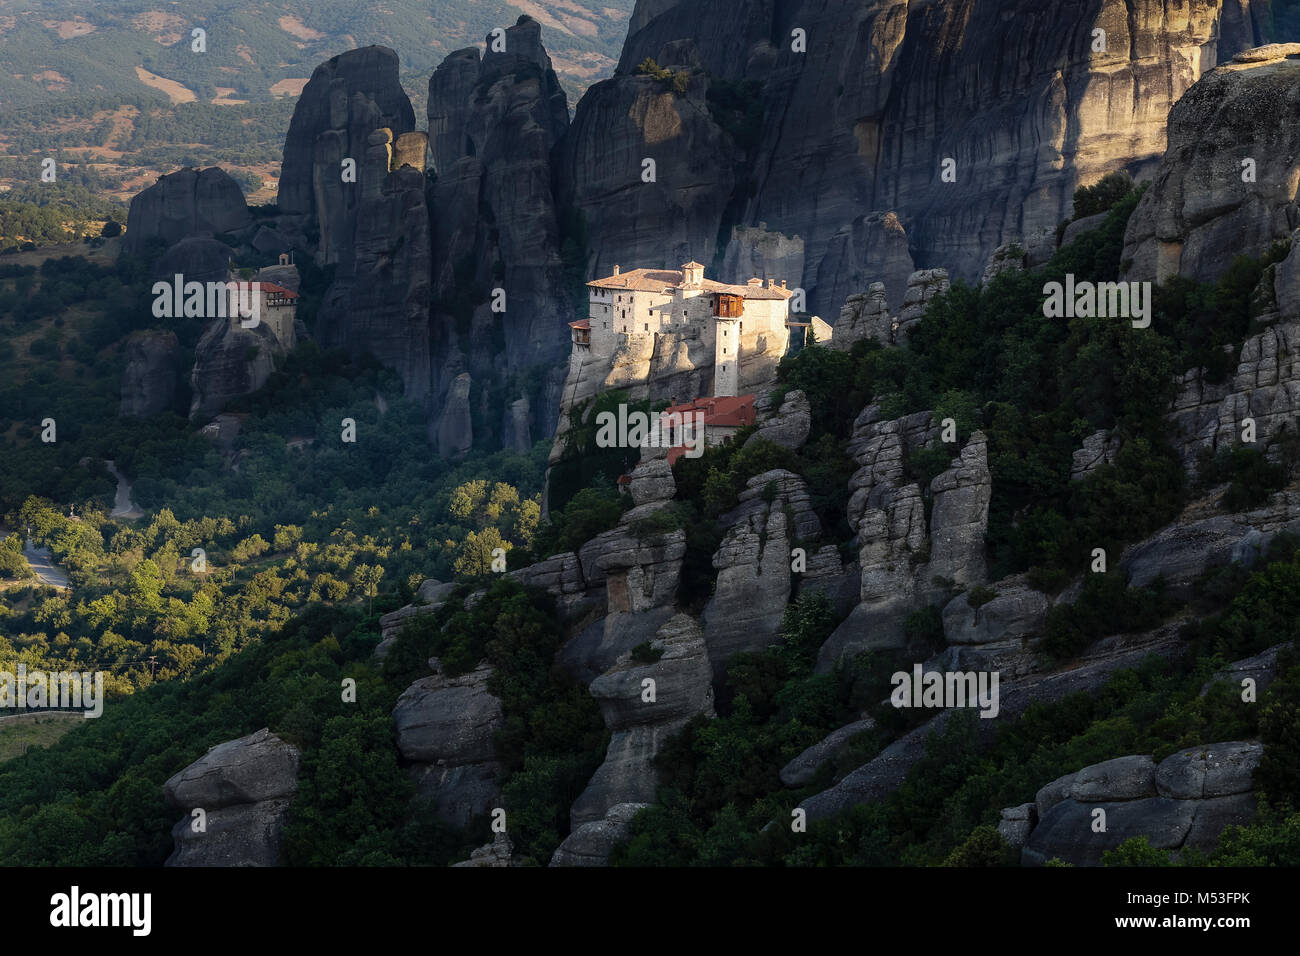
(655, 313)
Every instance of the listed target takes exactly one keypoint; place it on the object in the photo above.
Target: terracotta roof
(580, 324)
(274, 289)
(722, 410)
(694, 265)
(667, 280)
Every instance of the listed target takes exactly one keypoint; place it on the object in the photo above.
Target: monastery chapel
(648, 302)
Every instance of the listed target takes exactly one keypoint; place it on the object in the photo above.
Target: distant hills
(121, 91)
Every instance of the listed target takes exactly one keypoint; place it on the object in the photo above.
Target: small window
(647, 326)
(724, 351)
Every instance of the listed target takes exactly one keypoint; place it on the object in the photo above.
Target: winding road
(42, 564)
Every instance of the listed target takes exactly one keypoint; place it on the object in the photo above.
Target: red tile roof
(666, 281)
(273, 289)
(725, 410)
(580, 324)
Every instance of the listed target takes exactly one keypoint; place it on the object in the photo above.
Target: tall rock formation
(1229, 178)
(354, 170)
(493, 124)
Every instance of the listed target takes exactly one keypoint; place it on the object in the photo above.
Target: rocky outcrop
(354, 170)
(905, 561)
(1186, 801)
(1016, 611)
(884, 773)
(1009, 257)
(430, 596)
(754, 564)
(632, 578)
(1184, 551)
(644, 703)
(1099, 448)
(1260, 668)
(591, 843)
(243, 788)
(922, 287)
(184, 204)
(865, 315)
(1209, 416)
(230, 361)
(1227, 180)
(804, 767)
(500, 852)
(444, 727)
(789, 426)
(494, 124)
(152, 372)
(379, 301)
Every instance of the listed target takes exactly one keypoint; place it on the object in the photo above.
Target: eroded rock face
(347, 98)
(865, 315)
(789, 426)
(244, 787)
(1265, 388)
(906, 562)
(1202, 201)
(753, 563)
(445, 727)
(1098, 449)
(184, 204)
(682, 688)
(1013, 94)
(373, 224)
(152, 370)
(1185, 801)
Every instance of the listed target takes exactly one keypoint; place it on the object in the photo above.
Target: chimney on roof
(782, 283)
(615, 270)
(768, 283)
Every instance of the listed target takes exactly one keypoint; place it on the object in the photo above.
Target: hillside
(116, 91)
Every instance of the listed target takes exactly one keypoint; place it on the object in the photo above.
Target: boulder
(244, 788)
(591, 843)
(1017, 611)
(252, 769)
